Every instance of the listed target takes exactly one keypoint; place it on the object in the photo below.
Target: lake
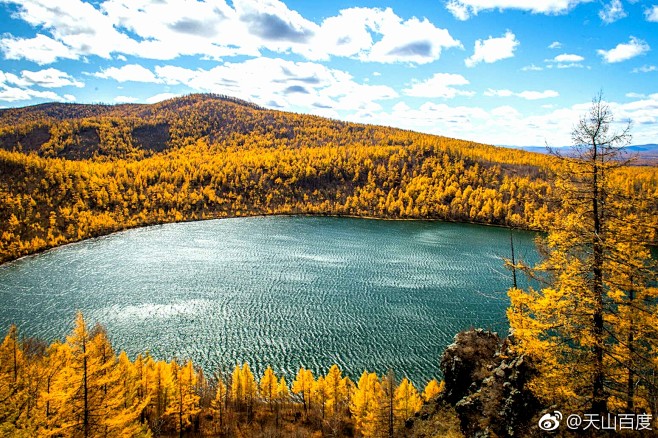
(286, 291)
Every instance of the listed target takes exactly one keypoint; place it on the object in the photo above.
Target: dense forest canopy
(69, 171)
(82, 388)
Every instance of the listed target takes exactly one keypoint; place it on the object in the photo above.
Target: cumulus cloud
(160, 97)
(414, 40)
(612, 12)
(41, 49)
(379, 35)
(567, 57)
(493, 49)
(506, 125)
(305, 85)
(214, 30)
(625, 51)
(50, 78)
(528, 95)
(75, 24)
(555, 45)
(12, 94)
(566, 60)
(128, 73)
(464, 9)
(21, 88)
(440, 85)
(535, 95)
(126, 99)
(272, 27)
(651, 14)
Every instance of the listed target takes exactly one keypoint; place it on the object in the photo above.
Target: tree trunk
(630, 384)
(599, 399)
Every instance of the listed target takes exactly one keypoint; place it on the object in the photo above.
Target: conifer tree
(336, 390)
(11, 370)
(219, 404)
(366, 405)
(407, 402)
(303, 386)
(184, 404)
(87, 397)
(321, 395)
(432, 389)
(269, 387)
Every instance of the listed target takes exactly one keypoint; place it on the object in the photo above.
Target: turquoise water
(285, 291)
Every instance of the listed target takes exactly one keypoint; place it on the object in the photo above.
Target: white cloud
(378, 35)
(16, 88)
(498, 93)
(555, 45)
(160, 97)
(76, 24)
(126, 73)
(625, 51)
(528, 95)
(458, 9)
(505, 111)
(567, 57)
(506, 125)
(40, 49)
(347, 34)
(645, 69)
(532, 67)
(651, 14)
(126, 99)
(413, 40)
(535, 95)
(309, 86)
(612, 12)
(174, 75)
(50, 78)
(215, 29)
(566, 60)
(493, 49)
(13, 94)
(440, 85)
(463, 9)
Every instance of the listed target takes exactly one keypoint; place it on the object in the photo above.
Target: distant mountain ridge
(644, 154)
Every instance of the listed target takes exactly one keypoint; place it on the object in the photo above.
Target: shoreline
(265, 215)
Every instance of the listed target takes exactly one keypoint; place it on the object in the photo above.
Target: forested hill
(70, 171)
(79, 131)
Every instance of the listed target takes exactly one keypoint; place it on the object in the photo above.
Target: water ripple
(285, 291)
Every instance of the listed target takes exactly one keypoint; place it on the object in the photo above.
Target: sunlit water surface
(285, 291)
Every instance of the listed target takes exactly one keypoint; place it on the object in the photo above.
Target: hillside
(69, 171)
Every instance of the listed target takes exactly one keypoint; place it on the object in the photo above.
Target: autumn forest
(70, 172)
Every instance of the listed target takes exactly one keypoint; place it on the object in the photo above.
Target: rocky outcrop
(487, 385)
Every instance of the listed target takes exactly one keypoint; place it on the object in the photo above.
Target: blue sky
(511, 72)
